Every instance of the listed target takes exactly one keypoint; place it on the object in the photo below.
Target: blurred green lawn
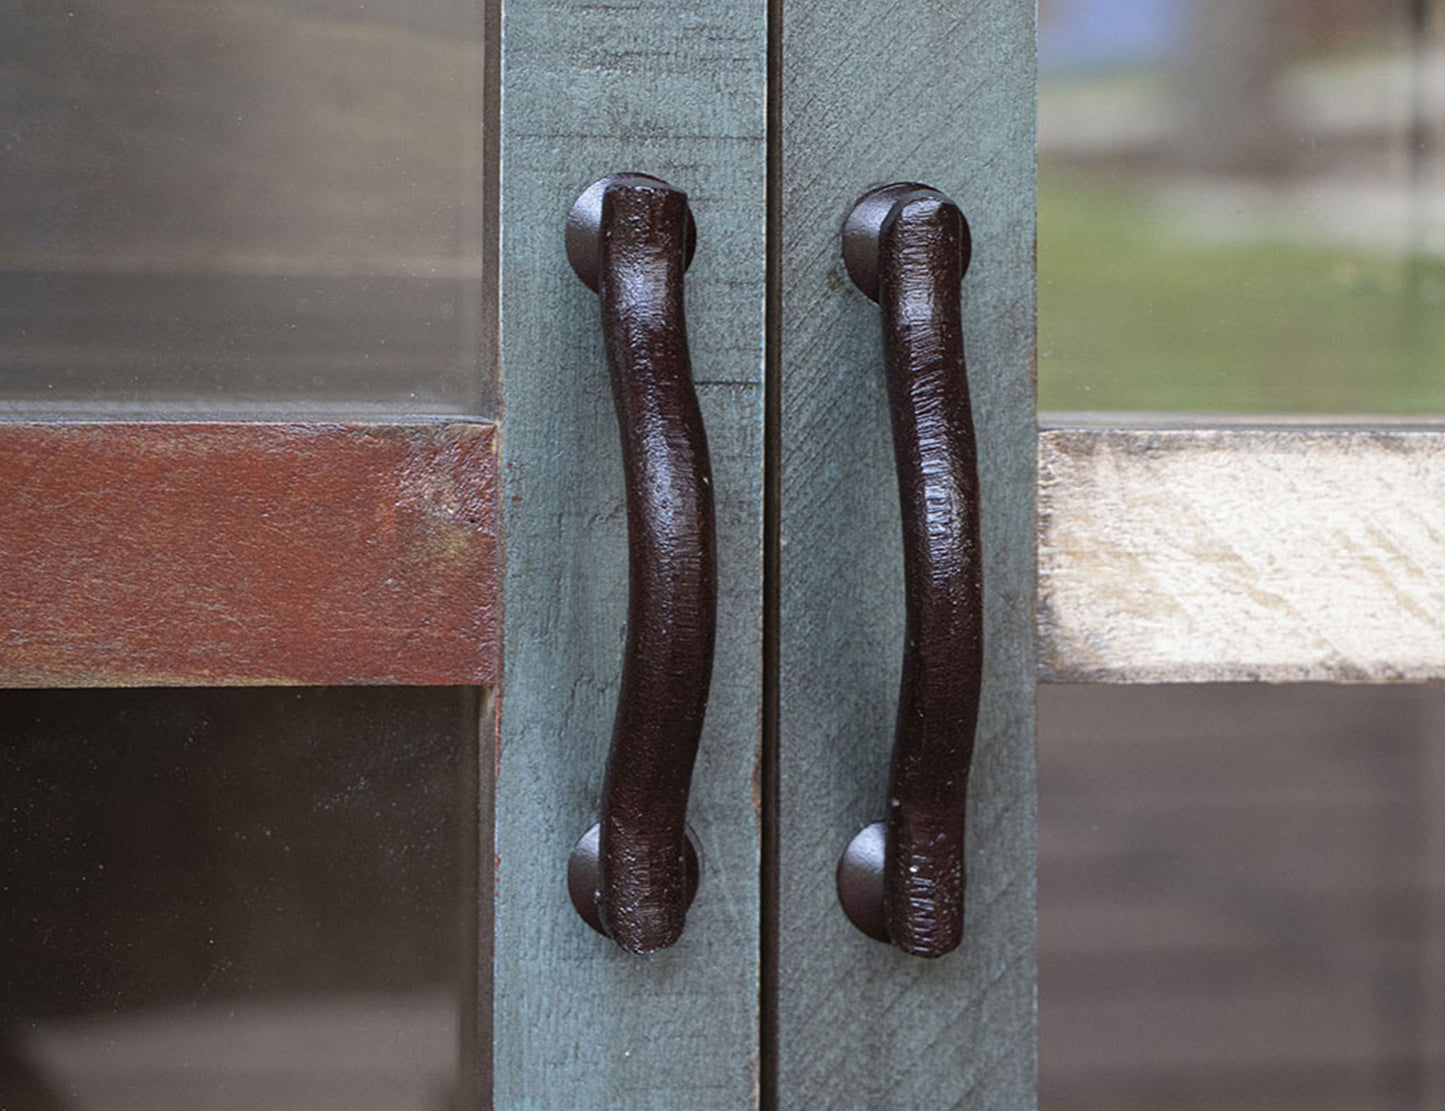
(1134, 317)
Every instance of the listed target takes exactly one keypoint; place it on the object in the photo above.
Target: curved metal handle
(907, 246)
(632, 877)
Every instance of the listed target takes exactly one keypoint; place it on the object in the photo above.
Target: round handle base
(864, 225)
(584, 227)
(860, 881)
(584, 871)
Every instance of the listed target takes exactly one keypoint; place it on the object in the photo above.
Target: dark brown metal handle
(632, 877)
(907, 246)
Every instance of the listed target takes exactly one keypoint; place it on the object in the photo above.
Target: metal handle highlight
(630, 237)
(907, 247)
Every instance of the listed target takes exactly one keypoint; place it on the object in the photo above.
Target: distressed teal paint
(675, 90)
(943, 93)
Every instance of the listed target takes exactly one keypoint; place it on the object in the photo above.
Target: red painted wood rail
(221, 554)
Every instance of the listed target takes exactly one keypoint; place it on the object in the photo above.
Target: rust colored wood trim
(241, 554)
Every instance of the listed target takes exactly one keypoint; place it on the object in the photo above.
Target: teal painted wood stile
(677, 91)
(942, 94)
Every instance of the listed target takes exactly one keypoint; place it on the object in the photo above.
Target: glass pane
(237, 899)
(242, 206)
(1241, 205)
(1242, 898)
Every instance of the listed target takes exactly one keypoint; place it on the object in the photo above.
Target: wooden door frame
(770, 999)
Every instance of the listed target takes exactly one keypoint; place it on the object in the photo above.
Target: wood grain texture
(1278, 554)
(942, 94)
(135, 554)
(676, 90)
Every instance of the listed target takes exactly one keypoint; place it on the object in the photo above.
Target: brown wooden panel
(161, 554)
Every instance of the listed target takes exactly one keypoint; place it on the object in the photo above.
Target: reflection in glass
(240, 205)
(1242, 898)
(1241, 205)
(235, 899)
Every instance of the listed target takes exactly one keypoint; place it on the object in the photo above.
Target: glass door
(1240, 886)
(259, 210)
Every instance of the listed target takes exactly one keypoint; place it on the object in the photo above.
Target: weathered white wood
(1279, 553)
(676, 90)
(943, 93)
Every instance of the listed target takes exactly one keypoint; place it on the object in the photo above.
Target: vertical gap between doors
(481, 1021)
(772, 525)
(491, 221)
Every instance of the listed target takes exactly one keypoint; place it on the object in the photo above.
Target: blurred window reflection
(1241, 898)
(236, 899)
(1242, 205)
(243, 205)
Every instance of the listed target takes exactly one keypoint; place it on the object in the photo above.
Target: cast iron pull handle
(907, 246)
(632, 876)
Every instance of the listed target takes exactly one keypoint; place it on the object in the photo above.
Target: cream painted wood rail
(1236, 551)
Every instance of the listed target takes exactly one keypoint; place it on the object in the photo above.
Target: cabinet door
(283, 183)
(942, 94)
(856, 94)
(679, 92)
(240, 275)
(774, 117)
